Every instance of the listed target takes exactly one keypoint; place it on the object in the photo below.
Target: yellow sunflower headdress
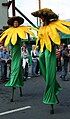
(48, 33)
(11, 33)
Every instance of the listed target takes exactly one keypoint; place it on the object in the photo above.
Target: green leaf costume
(48, 67)
(16, 66)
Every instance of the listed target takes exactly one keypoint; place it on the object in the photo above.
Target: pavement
(30, 106)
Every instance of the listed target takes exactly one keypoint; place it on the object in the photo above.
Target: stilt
(57, 100)
(20, 92)
(52, 110)
(12, 95)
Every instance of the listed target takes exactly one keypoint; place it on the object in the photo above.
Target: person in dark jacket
(65, 55)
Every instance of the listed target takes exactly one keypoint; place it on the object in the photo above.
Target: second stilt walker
(48, 38)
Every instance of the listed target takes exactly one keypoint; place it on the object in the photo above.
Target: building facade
(3, 13)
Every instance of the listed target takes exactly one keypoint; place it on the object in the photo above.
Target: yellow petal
(65, 22)
(37, 41)
(7, 41)
(3, 36)
(41, 31)
(41, 45)
(21, 33)
(9, 30)
(44, 38)
(33, 28)
(14, 38)
(25, 28)
(62, 28)
(30, 32)
(5, 33)
(53, 34)
(48, 43)
(41, 38)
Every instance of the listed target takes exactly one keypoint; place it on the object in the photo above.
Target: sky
(60, 7)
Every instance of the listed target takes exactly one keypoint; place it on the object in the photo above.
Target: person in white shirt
(25, 58)
(34, 60)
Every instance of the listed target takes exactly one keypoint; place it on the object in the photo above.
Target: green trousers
(16, 66)
(48, 68)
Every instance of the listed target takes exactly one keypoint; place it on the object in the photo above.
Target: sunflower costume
(48, 38)
(13, 36)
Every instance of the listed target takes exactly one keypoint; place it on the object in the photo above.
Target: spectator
(58, 59)
(1, 63)
(34, 60)
(69, 59)
(1, 52)
(37, 66)
(25, 57)
(65, 60)
(5, 59)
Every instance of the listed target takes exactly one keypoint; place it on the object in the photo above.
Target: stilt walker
(48, 38)
(13, 36)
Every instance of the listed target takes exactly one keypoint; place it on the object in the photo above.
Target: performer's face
(15, 24)
(42, 18)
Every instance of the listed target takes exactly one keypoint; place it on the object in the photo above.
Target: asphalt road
(32, 96)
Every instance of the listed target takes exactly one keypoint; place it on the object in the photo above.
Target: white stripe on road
(15, 110)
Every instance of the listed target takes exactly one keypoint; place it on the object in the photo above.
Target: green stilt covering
(16, 66)
(48, 67)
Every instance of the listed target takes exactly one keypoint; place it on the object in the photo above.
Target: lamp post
(38, 20)
(13, 7)
(39, 4)
(39, 9)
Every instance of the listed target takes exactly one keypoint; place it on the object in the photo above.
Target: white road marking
(15, 110)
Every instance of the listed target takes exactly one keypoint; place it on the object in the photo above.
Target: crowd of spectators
(30, 62)
(63, 61)
(4, 61)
